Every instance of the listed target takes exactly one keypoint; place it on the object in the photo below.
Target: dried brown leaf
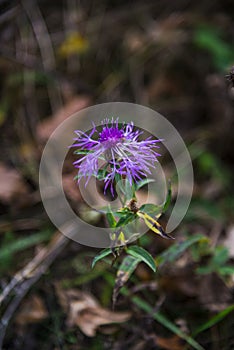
(172, 343)
(33, 310)
(45, 128)
(12, 185)
(84, 311)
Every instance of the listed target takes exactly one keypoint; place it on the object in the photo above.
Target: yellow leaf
(74, 43)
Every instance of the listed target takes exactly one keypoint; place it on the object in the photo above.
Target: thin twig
(28, 270)
(29, 275)
(46, 48)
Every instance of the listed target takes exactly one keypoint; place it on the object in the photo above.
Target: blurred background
(59, 57)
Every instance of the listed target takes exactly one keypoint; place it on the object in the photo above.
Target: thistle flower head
(118, 145)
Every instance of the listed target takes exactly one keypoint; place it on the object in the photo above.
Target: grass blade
(215, 319)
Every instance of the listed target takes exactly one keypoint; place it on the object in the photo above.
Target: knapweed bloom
(118, 148)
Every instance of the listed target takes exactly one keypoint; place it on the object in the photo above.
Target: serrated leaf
(143, 255)
(124, 272)
(174, 251)
(101, 255)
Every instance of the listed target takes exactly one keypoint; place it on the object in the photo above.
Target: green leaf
(226, 270)
(215, 319)
(143, 255)
(168, 199)
(204, 209)
(174, 251)
(24, 243)
(85, 277)
(210, 39)
(102, 173)
(142, 183)
(158, 316)
(205, 270)
(150, 209)
(153, 209)
(129, 190)
(82, 151)
(110, 218)
(124, 220)
(101, 255)
(217, 263)
(221, 256)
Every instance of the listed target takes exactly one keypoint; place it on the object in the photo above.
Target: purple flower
(119, 149)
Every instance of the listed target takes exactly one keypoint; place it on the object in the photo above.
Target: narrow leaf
(165, 322)
(129, 190)
(150, 209)
(215, 319)
(101, 255)
(24, 243)
(124, 220)
(143, 255)
(111, 219)
(142, 183)
(82, 151)
(158, 316)
(125, 270)
(174, 251)
(168, 199)
(101, 175)
(221, 256)
(226, 270)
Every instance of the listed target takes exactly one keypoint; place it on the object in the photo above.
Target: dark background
(57, 57)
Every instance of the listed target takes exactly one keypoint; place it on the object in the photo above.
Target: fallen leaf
(84, 311)
(172, 343)
(46, 128)
(32, 311)
(12, 186)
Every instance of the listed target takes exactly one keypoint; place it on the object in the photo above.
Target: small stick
(30, 274)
